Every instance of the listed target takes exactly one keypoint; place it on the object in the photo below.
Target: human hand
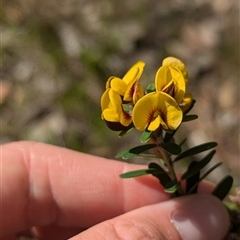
(56, 193)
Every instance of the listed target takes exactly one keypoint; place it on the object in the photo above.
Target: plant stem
(160, 153)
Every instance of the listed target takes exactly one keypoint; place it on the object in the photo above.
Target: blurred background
(57, 55)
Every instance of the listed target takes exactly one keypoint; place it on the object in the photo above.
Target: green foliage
(151, 88)
(171, 148)
(195, 150)
(192, 181)
(142, 172)
(146, 135)
(170, 187)
(188, 118)
(223, 187)
(161, 174)
(129, 153)
(198, 165)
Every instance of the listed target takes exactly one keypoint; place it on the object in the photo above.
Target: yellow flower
(128, 86)
(178, 64)
(171, 81)
(112, 111)
(155, 110)
(187, 101)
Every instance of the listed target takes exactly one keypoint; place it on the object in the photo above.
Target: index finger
(43, 184)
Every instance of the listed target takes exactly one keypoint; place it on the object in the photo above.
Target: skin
(55, 193)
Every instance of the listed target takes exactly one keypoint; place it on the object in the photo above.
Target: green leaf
(145, 136)
(171, 148)
(188, 118)
(125, 131)
(182, 142)
(190, 108)
(171, 187)
(168, 136)
(151, 88)
(223, 187)
(161, 174)
(129, 153)
(192, 181)
(205, 175)
(127, 107)
(138, 173)
(198, 166)
(197, 149)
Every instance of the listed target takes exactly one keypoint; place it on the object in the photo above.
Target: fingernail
(203, 217)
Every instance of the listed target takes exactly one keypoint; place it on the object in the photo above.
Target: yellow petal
(180, 85)
(134, 73)
(138, 92)
(163, 77)
(118, 85)
(125, 119)
(176, 63)
(110, 115)
(116, 101)
(152, 105)
(108, 83)
(173, 114)
(155, 124)
(186, 103)
(105, 100)
(144, 111)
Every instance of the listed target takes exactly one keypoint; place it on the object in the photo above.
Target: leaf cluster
(170, 153)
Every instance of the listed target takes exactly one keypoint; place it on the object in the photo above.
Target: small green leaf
(192, 181)
(145, 136)
(198, 166)
(127, 107)
(188, 118)
(231, 206)
(171, 148)
(223, 187)
(205, 175)
(138, 173)
(171, 187)
(190, 108)
(129, 153)
(182, 142)
(168, 136)
(125, 131)
(151, 88)
(161, 174)
(195, 150)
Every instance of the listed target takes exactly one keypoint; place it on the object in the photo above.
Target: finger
(198, 217)
(43, 185)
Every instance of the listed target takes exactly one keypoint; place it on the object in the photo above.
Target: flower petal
(138, 92)
(186, 103)
(118, 85)
(180, 85)
(163, 77)
(134, 73)
(110, 115)
(152, 105)
(105, 100)
(176, 63)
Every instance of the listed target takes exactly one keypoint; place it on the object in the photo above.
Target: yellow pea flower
(155, 110)
(112, 111)
(128, 85)
(178, 64)
(171, 81)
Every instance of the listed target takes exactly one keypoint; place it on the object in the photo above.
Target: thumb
(198, 217)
